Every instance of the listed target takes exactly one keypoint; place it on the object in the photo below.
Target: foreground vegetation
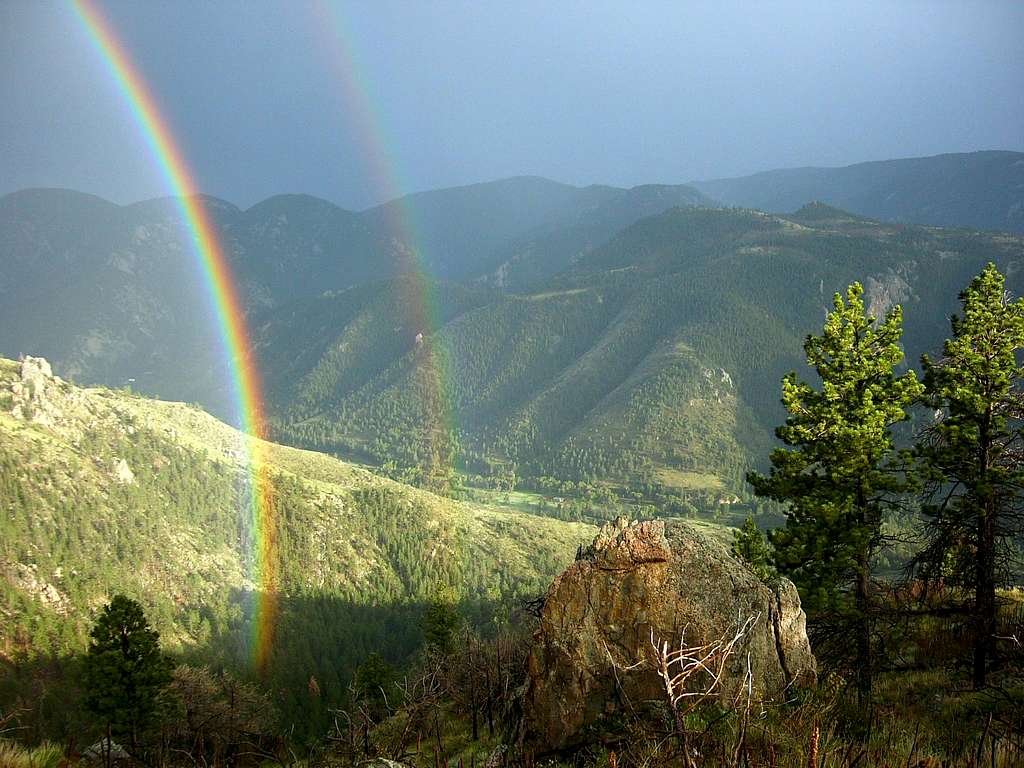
(454, 704)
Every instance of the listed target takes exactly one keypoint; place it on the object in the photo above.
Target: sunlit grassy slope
(104, 492)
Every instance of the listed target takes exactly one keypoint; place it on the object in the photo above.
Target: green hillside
(107, 492)
(598, 213)
(655, 359)
(114, 293)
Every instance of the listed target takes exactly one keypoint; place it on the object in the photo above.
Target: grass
(691, 481)
(516, 501)
(717, 531)
(14, 755)
(919, 722)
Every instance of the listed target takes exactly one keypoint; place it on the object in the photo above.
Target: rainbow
(223, 298)
(422, 308)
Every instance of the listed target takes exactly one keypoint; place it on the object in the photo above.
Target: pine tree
(440, 620)
(373, 683)
(124, 671)
(748, 544)
(835, 472)
(970, 455)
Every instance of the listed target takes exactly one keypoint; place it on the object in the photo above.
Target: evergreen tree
(970, 455)
(835, 472)
(440, 620)
(124, 671)
(374, 684)
(748, 544)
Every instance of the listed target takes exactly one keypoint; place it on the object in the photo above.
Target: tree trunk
(863, 629)
(490, 697)
(862, 600)
(682, 735)
(474, 688)
(108, 748)
(984, 596)
(985, 575)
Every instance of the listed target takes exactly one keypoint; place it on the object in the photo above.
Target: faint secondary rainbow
(423, 310)
(223, 297)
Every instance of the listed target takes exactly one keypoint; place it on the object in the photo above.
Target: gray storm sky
(259, 93)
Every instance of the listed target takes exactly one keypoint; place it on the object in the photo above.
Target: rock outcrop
(123, 474)
(29, 394)
(592, 657)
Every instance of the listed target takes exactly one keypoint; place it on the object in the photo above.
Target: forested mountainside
(984, 190)
(526, 261)
(110, 293)
(105, 492)
(587, 334)
(655, 360)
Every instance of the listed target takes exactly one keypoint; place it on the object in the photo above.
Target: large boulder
(592, 660)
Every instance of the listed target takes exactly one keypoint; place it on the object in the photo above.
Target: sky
(358, 102)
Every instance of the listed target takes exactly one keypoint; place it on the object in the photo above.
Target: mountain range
(632, 335)
(565, 354)
(984, 190)
(655, 358)
(113, 294)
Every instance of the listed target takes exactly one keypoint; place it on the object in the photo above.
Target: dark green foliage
(835, 472)
(215, 718)
(440, 621)
(374, 683)
(970, 453)
(124, 671)
(749, 545)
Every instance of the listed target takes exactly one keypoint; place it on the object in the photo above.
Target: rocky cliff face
(593, 659)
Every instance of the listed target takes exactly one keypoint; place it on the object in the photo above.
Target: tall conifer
(970, 456)
(835, 470)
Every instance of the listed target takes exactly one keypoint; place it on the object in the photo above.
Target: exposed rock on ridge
(591, 658)
(29, 393)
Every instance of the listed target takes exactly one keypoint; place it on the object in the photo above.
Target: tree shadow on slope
(304, 657)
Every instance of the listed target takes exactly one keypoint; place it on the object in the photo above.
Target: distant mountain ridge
(982, 190)
(113, 294)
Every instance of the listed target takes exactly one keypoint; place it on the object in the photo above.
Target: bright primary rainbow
(423, 316)
(224, 299)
